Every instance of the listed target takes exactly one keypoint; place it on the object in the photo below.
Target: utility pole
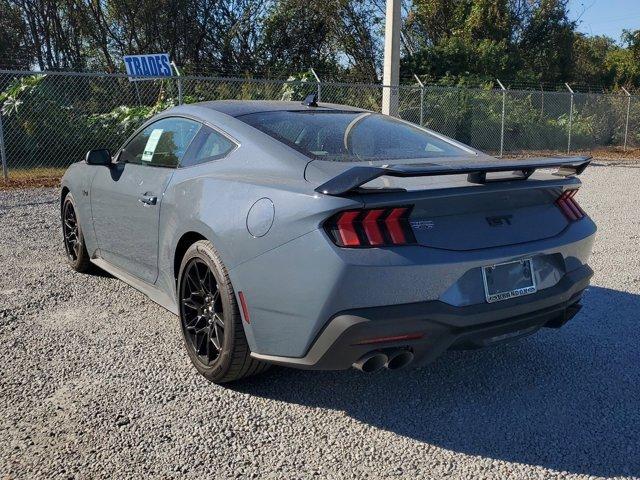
(391, 70)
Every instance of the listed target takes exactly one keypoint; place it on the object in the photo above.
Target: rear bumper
(440, 326)
(294, 290)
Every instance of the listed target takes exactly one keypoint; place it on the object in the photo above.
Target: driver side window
(161, 144)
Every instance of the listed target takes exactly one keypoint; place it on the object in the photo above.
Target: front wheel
(74, 245)
(210, 318)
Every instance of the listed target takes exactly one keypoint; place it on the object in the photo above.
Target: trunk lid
(451, 212)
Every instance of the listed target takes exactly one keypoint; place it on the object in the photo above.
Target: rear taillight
(569, 206)
(376, 227)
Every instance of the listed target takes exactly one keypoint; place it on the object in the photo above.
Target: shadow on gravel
(29, 204)
(567, 399)
(616, 163)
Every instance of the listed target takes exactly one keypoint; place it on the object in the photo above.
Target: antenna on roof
(311, 100)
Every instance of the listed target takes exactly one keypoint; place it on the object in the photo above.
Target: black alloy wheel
(202, 312)
(71, 231)
(72, 237)
(212, 326)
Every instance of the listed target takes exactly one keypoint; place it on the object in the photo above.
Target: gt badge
(423, 225)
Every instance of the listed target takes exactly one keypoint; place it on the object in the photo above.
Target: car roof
(236, 108)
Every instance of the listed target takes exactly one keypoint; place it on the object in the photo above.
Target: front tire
(74, 246)
(210, 318)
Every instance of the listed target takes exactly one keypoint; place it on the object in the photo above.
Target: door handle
(147, 199)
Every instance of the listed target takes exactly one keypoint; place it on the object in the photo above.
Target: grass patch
(32, 177)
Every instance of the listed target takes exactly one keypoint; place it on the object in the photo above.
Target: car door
(126, 199)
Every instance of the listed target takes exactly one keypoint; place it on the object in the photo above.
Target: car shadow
(96, 271)
(567, 400)
(29, 204)
(616, 164)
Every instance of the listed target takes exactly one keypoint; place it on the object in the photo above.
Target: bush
(52, 120)
(48, 129)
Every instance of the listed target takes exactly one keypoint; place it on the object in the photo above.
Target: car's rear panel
(458, 229)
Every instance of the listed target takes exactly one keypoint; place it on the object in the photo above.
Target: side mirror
(101, 156)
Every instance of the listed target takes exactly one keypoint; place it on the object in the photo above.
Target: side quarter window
(161, 144)
(207, 146)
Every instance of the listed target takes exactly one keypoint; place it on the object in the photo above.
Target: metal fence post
(626, 124)
(319, 84)
(504, 104)
(179, 82)
(421, 99)
(570, 118)
(3, 153)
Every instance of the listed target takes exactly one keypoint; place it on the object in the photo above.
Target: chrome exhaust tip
(399, 359)
(371, 362)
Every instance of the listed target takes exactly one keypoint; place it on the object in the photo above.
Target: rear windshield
(341, 136)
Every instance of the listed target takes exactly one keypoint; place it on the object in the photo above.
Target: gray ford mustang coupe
(321, 236)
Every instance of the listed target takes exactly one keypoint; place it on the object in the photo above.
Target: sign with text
(148, 67)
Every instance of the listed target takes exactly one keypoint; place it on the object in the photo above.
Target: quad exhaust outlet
(392, 359)
(371, 362)
(399, 359)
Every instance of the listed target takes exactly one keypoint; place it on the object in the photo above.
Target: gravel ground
(95, 382)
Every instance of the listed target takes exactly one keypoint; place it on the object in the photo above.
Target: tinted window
(161, 144)
(208, 145)
(351, 136)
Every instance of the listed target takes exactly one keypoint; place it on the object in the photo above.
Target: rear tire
(210, 319)
(74, 245)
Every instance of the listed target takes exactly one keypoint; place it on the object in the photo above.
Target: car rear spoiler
(355, 177)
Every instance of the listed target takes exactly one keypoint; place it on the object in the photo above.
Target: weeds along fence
(49, 120)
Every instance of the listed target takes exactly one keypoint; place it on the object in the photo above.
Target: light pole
(391, 68)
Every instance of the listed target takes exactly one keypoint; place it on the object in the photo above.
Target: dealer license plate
(508, 280)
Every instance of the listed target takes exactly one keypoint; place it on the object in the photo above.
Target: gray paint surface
(293, 277)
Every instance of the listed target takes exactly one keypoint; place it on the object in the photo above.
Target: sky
(605, 17)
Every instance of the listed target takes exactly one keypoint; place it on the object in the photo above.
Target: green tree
(590, 60)
(454, 41)
(462, 39)
(547, 42)
(13, 46)
(623, 64)
(298, 36)
(335, 38)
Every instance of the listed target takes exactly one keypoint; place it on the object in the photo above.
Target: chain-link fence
(49, 120)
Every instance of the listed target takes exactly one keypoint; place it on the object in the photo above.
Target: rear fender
(217, 207)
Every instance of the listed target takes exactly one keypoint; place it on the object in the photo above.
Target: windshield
(341, 136)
